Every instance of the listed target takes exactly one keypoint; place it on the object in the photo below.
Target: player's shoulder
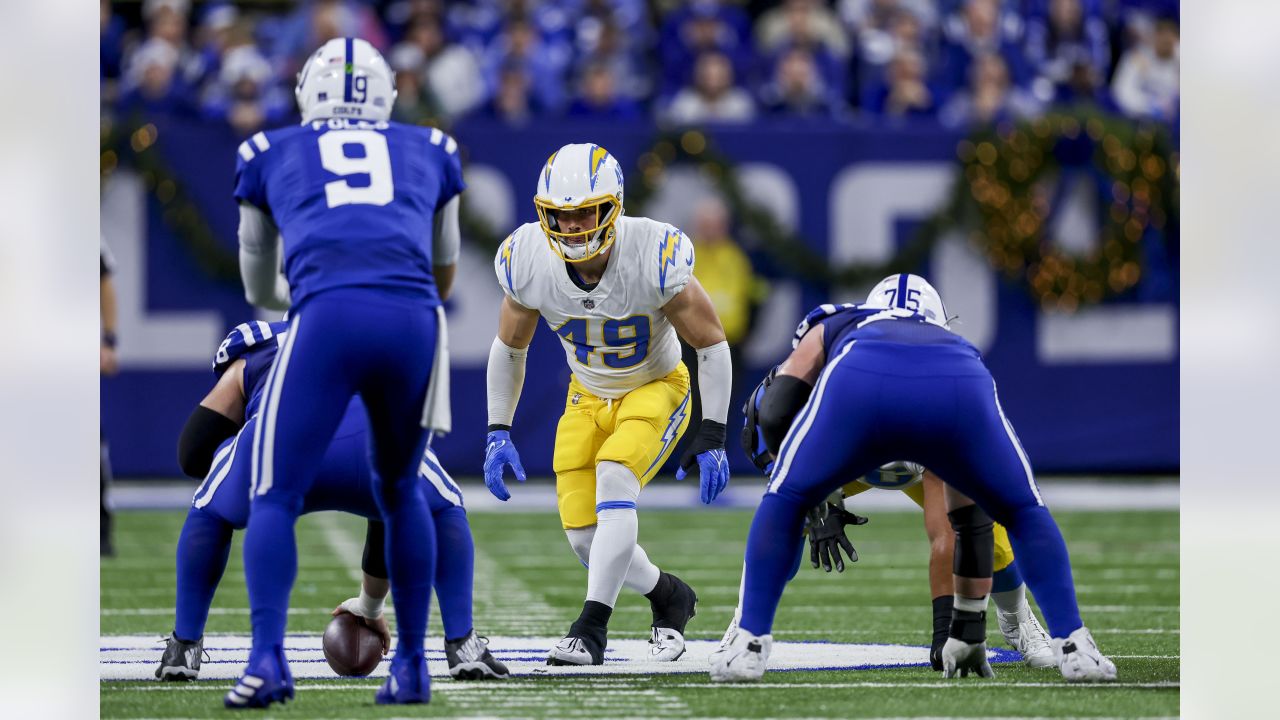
(258, 145)
(822, 313)
(245, 339)
(519, 259)
(660, 251)
(429, 137)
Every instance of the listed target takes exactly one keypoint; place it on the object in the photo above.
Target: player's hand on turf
(960, 658)
(500, 452)
(826, 536)
(377, 624)
(707, 452)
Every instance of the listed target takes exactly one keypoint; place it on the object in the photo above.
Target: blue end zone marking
(616, 505)
(347, 68)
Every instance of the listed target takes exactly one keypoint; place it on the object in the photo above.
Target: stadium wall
(1095, 391)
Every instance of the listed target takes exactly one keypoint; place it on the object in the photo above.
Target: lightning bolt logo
(673, 427)
(670, 244)
(598, 154)
(546, 174)
(506, 259)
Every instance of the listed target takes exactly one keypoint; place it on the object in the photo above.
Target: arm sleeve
(715, 381)
(260, 260)
(452, 184)
(505, 381)
(446, 241)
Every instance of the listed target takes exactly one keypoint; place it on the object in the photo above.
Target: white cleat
(1024, 633)
(1080, 660)
(729, 634)
(744, 659)
(665, 645)
(573, 651)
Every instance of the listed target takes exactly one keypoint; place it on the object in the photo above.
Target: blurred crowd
(957, 62)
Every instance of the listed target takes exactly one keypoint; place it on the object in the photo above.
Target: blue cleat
(266, 680)
(408, 684)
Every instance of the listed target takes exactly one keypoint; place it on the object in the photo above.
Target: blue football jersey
(355, 201)
(257, 342)
(848, 321)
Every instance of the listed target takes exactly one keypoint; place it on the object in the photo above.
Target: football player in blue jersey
(215, 445)
(350, 200)
(880, 382)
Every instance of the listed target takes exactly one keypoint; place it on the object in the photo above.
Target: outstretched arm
(218, 416)
(446, 243)
(695, 319)
(505, 376)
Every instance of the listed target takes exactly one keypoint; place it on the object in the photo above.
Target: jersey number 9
(374, 160)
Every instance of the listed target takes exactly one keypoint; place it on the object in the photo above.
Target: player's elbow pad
(205, 430)
(782, 401)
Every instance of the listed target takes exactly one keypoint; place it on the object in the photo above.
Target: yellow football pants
(1004, 551)
(638, 431)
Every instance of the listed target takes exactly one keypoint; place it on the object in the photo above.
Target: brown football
(351, 648)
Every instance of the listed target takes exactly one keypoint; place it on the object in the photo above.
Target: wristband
(370, 607)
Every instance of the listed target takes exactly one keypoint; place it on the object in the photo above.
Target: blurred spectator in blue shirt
(544, 64)
(110, 49)
(603, 41)
(152, 84)
(905, 92)
(450, 74)
(797, 89)
(902, 31)
(990, 97)
(712, 97)
(219, 30)
(513, 102)
(1146, 80)
(700, 27)
(1063, 39)
(413, 105)
(598, 98)
(244, 94)
(981, 27)
(316, 22)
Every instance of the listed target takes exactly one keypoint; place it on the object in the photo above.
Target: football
(351, 648)
(895, 476)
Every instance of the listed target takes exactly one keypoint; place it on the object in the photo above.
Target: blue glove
(499, 452)
(707, 452)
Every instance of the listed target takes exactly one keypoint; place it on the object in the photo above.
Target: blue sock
(203, 548)
(1007, 578)
(774, 547)
(270, 567)
(411, 563)
(455, 567)
(1042, 555)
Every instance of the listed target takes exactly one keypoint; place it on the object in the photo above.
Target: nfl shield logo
(588, 303)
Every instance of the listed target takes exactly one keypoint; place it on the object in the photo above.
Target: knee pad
(580, 540)
(616, 487)
(975, 542)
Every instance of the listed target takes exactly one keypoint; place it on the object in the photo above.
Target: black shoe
(584, 645)
(181, 660)
(676, 607)
(470, 659)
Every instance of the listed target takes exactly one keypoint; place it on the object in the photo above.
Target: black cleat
(470, 659)
(671, 613)
(181, 659)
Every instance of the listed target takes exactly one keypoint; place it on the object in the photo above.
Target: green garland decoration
(133, 144)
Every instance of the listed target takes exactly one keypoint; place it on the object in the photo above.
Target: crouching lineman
(616, 290)
(827, 539)
(215, 445)
(892, 381)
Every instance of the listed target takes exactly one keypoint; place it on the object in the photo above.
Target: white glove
(960, 657)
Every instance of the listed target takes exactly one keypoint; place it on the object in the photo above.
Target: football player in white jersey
(617, 290)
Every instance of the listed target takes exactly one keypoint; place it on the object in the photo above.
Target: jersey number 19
(374, 161)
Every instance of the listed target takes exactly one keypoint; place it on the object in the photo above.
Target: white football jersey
(616, 337)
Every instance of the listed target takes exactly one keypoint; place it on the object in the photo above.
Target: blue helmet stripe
(347, 67)
(901, 299)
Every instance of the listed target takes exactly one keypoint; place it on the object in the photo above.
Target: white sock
(617, 527)
(1011, 602)
(642, 576)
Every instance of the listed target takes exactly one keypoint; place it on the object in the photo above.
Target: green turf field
(528, 583)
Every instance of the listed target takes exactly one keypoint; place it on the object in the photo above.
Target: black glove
(826, 536)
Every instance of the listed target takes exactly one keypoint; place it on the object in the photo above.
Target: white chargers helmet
(576, 177)
(347, 78)
(910, 292)
(895, 475)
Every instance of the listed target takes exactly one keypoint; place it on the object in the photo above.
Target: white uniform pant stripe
(790, 444)
(425, 470)
(264, 439)
(215, 479)
(1017, 446)
(214, 466)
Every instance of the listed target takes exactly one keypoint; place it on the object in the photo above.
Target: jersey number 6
(373, 160)
(632, 333)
